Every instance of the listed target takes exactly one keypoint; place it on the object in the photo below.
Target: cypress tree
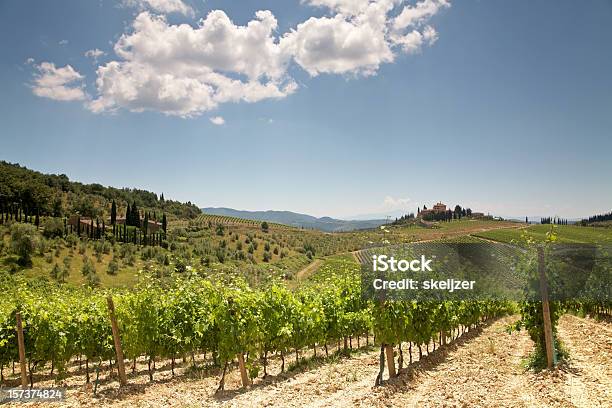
(135, 215)
(164, 223)
(37, 219)
(113, 218)
(145, 226)
(128, 215)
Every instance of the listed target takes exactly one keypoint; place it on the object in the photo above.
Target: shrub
(53, 227)
(220, 230)
(24, 239)
(88, 267)
(220, 253)
(113, 267)
(240, 256)
(67, 261)
(55, 272)
(267, 256)
(92, 280)
(71, 240)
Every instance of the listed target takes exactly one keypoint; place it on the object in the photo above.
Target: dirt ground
(483, 368)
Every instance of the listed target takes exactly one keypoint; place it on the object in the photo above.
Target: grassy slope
(292, 239)
(565, 233)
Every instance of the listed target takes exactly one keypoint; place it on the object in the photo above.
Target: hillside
(57, 195)
(326, 224)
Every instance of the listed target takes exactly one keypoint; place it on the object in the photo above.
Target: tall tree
(113, 213)
(164, 223)
(135, 215)
(128, 215)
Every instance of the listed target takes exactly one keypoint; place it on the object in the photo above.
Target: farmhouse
(153, 226)
(85, 222)
(437, 209)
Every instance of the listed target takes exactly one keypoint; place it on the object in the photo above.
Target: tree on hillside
(135, 215)
(264, 226)
(128, 215)
(164, 222)
(145, 225)
(113, 217)
(23, 242)
(458, 212)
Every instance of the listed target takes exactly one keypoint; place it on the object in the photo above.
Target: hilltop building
(438, 208)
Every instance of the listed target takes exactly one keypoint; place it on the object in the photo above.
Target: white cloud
(338, 45)
(430, 35)
(395, 203)
(361, 37)
(343, 6)
(186, 70)
(412, 16)
(63, 42)
(161, 6)
(60, 84)
(94, 54)
(217, 120)
(182, 70)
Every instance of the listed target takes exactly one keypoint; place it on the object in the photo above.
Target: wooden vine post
(117, 340)
(548, 334)
(21, 345)
(243, 371)
(390, 360)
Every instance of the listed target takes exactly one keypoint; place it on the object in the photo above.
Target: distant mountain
(391, 215)
(297, 220)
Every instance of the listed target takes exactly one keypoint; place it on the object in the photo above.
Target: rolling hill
(296, 219)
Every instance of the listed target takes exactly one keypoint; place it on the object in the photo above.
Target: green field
(565, 234)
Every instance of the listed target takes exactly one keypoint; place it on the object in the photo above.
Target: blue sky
(505, 107)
